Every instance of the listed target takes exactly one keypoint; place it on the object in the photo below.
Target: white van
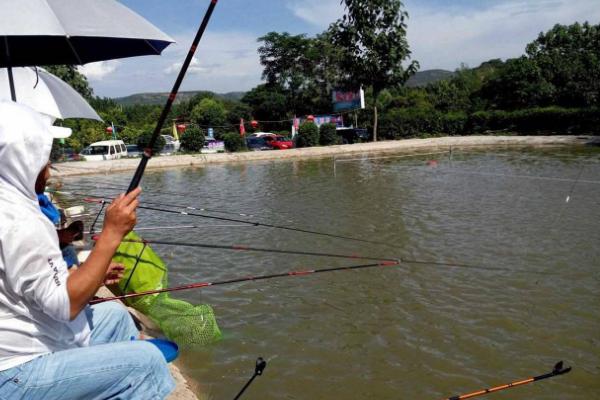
(105, 150)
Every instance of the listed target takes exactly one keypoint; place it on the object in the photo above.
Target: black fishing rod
(147, 154)
(254, 249)
(382, 263)
(201, 285)
(101, 199)
(265, 225)
(558, 369)
(261, 364)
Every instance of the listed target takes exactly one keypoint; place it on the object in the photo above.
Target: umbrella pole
(11, 81)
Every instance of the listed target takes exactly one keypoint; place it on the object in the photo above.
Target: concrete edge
(396, 146)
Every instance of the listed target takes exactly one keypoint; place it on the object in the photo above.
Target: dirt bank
(396, 146)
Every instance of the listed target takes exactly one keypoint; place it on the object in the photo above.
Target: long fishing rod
(179, 227)
(254, 249)
(558, 369)
(382, 263)
(147, 154)
(201, 285)
(101, 199)
(265, 225)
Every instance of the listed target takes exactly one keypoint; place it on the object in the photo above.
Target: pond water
(528, 217)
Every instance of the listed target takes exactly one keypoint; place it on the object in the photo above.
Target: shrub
(328, 135)
(234, 142)
(144, 140)
(538, 121)
(308, 135)
(193, 139)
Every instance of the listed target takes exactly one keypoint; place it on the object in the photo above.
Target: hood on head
(25, 144)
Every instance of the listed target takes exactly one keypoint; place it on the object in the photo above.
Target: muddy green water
(415, 331)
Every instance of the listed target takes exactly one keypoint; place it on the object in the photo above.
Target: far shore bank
(384, 147)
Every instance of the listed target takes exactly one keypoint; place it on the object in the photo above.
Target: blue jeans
(112, 367)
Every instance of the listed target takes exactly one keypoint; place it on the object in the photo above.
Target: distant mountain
(423, 78)
(161, 98)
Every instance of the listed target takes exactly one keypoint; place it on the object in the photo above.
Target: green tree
(372, 37)
(520, 84)
(328, 135)
(193, 139)
(209, 113)
(268, 103)
(234, 142)
(308, 135)
(569, 59)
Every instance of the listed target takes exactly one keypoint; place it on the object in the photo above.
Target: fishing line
(568, 198)
(282, 227)
(548, 178)
(254, 249)
(386, 157)
(211, 210)
(91, 198)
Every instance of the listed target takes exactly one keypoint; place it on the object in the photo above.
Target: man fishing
(53, 345)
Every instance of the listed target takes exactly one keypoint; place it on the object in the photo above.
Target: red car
(278, 142)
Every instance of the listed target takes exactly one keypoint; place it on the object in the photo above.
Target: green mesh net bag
(184, 323)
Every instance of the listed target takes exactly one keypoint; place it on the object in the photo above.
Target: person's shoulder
(24, 223)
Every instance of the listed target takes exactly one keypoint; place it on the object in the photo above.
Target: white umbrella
(47, 94)
(50, 32)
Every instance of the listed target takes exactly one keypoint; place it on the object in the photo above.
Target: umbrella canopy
(47, 94)
(50, 32)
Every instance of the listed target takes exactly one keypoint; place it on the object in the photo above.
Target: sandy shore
(386, 147)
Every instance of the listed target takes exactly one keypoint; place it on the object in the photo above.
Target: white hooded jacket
(34, 303)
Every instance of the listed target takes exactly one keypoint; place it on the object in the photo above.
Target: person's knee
(149, 355)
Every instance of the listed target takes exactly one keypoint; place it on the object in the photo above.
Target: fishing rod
(265, 225)
(253, 249)
(558, 369)
(382, 263)
(179, 227)
(261, 364)
(147, 154)
(200, 285)
(100, 199)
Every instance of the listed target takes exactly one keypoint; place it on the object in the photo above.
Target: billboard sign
(348, 100)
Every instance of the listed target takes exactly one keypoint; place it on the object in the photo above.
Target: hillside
(423, 78)
(161, 98)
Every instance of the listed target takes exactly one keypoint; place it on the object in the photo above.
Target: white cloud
(224, 61)
(320, 13)
(446, 36)
(194, 67)
(98, 70)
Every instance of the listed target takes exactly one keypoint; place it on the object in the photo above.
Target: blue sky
(441, 33)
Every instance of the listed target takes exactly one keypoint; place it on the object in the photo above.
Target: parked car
(278, 142)
(105, 150)
(257, 143)
(353, 135)
(133, 150)
(171, 145)
(213, 146)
